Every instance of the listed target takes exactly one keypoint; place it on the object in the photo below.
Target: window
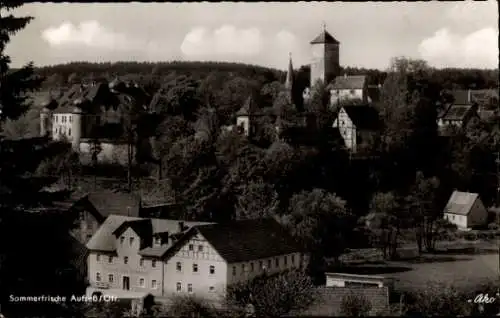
(179, 287)
(269, 264)
(122, 239)
(195, 268)
(191, 247)
(141, 262)
(293, 259)
(153, 263)
(178, 266)
(200, 248)
(69, 131)
(110, 278)
(277, 262)
(153, 284)
(157, 240)
(190, 288)
(125, 260)
(110, 259)
(234, 270)
(131, 240)
(56, 118)
(352, 91)
(70, 118)
(98, 277)
(261, 265)
(243, 268)
(211, 288)
(212, 269)
(141, 282)
(98, 257)
(453, 217)
(286, 260)
(251, 267)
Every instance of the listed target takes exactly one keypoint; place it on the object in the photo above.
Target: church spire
(289, 74)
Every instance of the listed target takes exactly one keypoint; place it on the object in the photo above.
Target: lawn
(463, 265)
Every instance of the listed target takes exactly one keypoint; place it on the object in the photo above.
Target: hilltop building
(94, 115)
(342, 90)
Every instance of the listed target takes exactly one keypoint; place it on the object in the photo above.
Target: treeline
(59, 75)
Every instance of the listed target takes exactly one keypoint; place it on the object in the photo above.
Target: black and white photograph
(249, 159)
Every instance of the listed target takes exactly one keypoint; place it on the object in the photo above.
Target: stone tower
(76, 125)
(325, 64)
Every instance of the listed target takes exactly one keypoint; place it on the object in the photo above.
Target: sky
(446, 34)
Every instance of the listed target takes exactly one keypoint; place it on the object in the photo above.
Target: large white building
(132, 257)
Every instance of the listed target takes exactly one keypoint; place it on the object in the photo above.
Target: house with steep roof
(132, 257)
(348, 88)
(456, 115)
(357, 125)
(465, 210)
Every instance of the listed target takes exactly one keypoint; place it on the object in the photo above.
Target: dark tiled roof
(104, 240)
(143, 228)
(249, 239)
(363, 116)
(348, 82)
(457, 112)
(461, 202)
(108, 202)
(324, 37)
(329, 302)
(460, 96)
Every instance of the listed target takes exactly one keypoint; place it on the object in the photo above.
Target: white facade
(347, 129)
(477, 216)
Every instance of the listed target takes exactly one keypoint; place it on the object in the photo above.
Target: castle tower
(76, 125)
(325, 64)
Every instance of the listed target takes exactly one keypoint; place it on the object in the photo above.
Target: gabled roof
(457, 112)
(247, 240)
(324, 37)
(363, 116)
(249, 107)
(104, 240)
(329, 300)
(108, 202)
(461, 202)
(461, 96)
(348, 82)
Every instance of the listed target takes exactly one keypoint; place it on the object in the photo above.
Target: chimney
(181, 226)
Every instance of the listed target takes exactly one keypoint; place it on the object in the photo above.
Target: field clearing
(461, 264)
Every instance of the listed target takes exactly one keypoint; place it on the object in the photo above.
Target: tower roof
(324, 37)
(248, 108)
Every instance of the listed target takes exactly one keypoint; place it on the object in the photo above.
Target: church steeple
(289, 74)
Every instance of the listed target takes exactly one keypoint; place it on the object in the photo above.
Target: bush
(355, 306)
(189, 306)
(274, 296)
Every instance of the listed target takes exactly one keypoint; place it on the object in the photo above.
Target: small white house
(466, 210)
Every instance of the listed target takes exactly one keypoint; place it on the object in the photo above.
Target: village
(318, 191)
